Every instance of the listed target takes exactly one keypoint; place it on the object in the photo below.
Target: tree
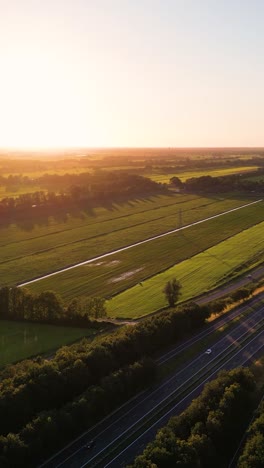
(172, 291)
(176, 182)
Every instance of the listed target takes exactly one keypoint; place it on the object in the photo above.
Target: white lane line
(86, 262)
(85, 434)
(242, 325)
(172, 409)
(167, 357)
(201, 335)
(178, 388)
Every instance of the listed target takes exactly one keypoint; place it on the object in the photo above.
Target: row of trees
(209, 184)
(207, 432)
(253, 451)
(50, 430)
(36, 385)
(47, 307)
(83, 189)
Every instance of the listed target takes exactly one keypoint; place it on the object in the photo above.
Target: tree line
(209, 184)
(207, 432)
(39, 397)
(252, 455)
(35, 385)
(47, 307)
(52, 429)
(82, 190)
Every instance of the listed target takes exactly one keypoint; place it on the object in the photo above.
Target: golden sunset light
(131, 233)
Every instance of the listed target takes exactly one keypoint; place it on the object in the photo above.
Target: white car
(208, 351)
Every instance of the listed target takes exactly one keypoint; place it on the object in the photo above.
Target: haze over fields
(131, 233)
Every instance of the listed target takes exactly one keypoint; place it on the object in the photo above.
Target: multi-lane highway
(124, 433)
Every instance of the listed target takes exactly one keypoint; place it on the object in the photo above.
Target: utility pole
(180, 218)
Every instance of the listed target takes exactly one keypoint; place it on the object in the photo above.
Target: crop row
(198, 274)
(28, 259)
(123, 270)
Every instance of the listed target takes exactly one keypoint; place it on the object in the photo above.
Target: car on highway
(208, 351)
(90, 445)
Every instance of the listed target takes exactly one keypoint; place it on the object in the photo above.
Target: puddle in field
(107, 264)
(125, 275)
(95, 264)
(113, 263)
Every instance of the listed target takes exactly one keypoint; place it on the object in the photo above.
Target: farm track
(150, 239)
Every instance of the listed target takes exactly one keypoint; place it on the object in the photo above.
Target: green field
(15, 192)
(48, 245)
(184, 175)
(122, 270)
(198, 274)
(20, 340)
(256, 178)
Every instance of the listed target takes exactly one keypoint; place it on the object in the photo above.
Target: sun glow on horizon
(88, 74)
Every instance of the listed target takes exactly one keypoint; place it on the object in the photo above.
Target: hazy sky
(131, 73)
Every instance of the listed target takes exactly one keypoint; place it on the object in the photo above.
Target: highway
(122, 249)
(241, 358)
(121, 435)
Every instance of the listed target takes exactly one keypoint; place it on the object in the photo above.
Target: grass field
(57, 171)
(20, 340)
(198, 274)
(256, 178)
(15, 192)
(55, 243)
(184, 175)
(120, 271)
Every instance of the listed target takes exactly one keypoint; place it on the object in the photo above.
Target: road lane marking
(168, 412)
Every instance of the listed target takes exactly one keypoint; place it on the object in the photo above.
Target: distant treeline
(207, 433)
(230, 183)
(47, 307)
(82, 190)
(107, 158)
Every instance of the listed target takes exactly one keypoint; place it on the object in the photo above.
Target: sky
(131, 73)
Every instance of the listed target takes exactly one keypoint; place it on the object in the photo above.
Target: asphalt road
(149, 239)
(154, 404)
(251, 276)
(241, 358)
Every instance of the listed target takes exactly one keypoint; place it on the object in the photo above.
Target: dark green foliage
(242, 294)
(82, 190)
(172, 291)
(253, 452)
(52, 429)
(37, 385)
(47, 307)
(228, 183)
(206, 433)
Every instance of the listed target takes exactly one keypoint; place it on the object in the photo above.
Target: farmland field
(15, 192)
(185, 174)
(48, 245)
(197, 274)
(256, 178)
(20, 340)
(122, 270)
